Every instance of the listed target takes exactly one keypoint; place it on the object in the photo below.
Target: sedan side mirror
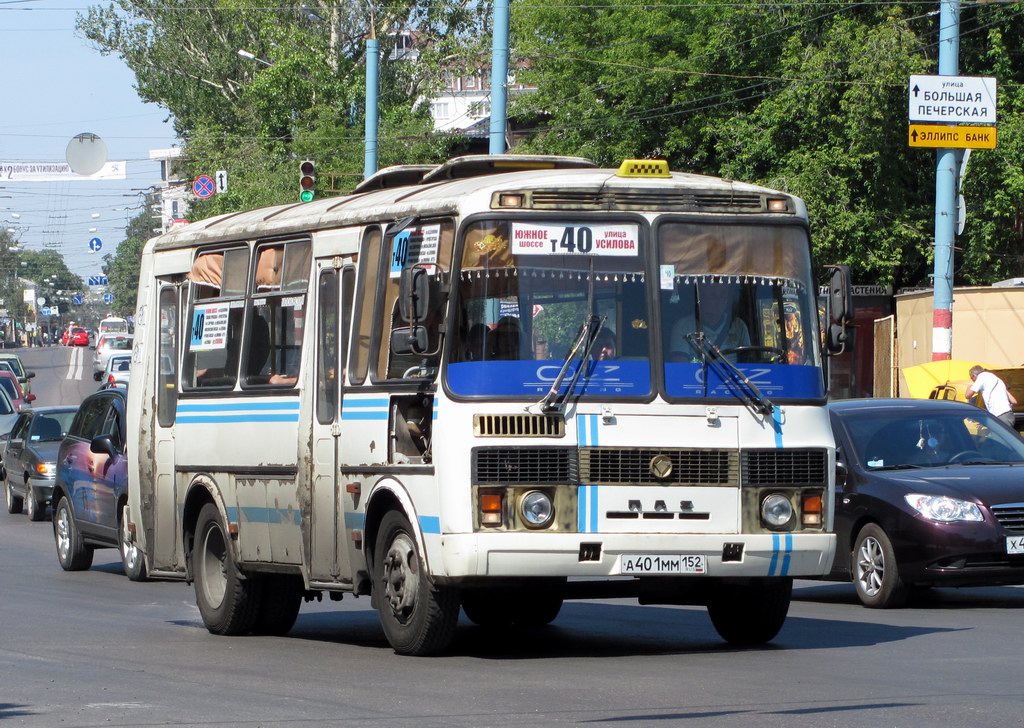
(103, 445)
(30, 375)
(30, 397)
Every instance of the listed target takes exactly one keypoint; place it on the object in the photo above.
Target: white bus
(112, 325)
(495, 384)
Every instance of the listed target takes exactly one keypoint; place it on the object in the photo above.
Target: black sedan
(30, 458)
(928, 493)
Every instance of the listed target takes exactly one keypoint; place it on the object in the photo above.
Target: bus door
(328, 547)
(165, 547)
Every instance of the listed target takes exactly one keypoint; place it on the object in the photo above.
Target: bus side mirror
(417, 294)
(840, 310)
(409, 340)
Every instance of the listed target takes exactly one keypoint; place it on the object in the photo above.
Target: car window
(15, 364)
(923, 439)
(89, 419)
(48, 428)
(5, 367)
(112, 425)
(18, 431)
(8, 385)
(6, 408)
(120, 365)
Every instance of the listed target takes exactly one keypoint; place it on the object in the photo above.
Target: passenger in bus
(506, 339)
(259, 367)
(604, 346)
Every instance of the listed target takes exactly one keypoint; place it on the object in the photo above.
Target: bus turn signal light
(810, 508)
(491, 506)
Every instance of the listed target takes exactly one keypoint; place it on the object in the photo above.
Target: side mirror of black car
(30, 375)
(103, 445)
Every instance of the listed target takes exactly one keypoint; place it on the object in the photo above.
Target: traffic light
(307, 180)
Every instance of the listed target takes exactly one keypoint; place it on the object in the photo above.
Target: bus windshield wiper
(749, 393)
(584, 343)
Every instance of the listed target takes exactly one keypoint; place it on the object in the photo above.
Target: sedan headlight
(943, 508)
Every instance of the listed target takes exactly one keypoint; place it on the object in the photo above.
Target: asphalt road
(93, 649)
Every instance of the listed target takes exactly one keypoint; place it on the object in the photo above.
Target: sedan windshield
(915, 439)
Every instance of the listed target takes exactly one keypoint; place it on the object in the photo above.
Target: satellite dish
(86, 154)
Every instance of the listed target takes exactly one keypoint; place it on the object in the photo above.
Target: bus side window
(167, 347)
(214, 324)
(369, 269)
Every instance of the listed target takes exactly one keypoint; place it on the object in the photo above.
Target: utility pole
(946, 171)
(499, 76)
(371, 125)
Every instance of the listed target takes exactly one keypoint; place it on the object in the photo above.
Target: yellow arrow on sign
(939, 136)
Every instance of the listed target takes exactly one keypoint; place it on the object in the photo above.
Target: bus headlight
(776, 511)
(536, 509)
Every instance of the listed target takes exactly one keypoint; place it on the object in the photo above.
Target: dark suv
(90, 496)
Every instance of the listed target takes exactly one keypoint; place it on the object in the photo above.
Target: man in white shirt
(993, 391)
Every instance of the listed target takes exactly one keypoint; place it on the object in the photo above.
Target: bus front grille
(785, 467)
(659, 466)
(652, 199)
(525, 465)
(524, 425)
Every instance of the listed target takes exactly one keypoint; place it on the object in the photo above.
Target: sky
(55, 85)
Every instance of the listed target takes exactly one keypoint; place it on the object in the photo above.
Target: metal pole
(946, 170)
(499, 76)
(372, 63)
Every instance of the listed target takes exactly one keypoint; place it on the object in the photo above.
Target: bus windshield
(525, 289)
(746, 291)
(731, 296)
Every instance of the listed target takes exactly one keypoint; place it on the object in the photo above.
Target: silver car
(119, 368)
(30, 458)
(106, 345)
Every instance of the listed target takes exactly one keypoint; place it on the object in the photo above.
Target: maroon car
(928, 493)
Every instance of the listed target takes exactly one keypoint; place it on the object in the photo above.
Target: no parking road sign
(203, 186)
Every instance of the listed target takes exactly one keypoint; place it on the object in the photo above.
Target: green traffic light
(306, 195)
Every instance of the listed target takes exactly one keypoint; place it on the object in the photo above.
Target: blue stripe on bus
(775, 555)
(430, 524)
(355, 520)
(581, 498)
(593, 509)
(234, 419)
(777, 426)
(785, 559)
(345, 415)
(238, 406)
(255, 514)
(354, 402)
(593, 430)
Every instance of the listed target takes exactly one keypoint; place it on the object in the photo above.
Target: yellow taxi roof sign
(643, 168)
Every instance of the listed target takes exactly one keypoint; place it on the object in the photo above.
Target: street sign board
(77, 300)
(952, 99)
(108, 298)
(45, 311)
(97, 280)
(938, 136)
(95, 245)
(203, 186)
(222, 181)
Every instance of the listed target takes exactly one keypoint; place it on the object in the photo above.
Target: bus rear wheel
(418, 616)
(228, 602)
(750, 611)
(279, 604)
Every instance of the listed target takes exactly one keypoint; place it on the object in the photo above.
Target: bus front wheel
(750, 612)
(228, 602)
(418, 616)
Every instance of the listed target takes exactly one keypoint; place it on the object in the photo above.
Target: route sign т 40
(952, 99)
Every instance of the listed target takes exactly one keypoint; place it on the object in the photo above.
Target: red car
(77, 337)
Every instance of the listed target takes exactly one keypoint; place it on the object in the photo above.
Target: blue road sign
(44, 311)
(77, 300)
(95, 244)
(108, 298)
(203, 186)
(97, 280)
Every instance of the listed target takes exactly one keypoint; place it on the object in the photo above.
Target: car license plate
(663, 564)
(1015, 544)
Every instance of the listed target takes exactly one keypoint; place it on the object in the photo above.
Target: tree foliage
(808, 97)
(122, 268)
